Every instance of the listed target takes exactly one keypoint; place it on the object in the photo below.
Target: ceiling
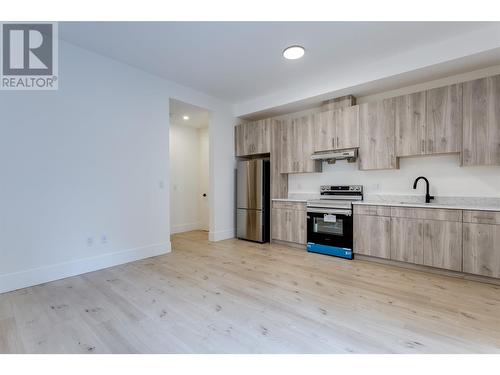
(238, 61)
(198, 117)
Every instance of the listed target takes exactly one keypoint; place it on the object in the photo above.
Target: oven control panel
(341, 189)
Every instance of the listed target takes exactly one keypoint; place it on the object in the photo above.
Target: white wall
(188, 170)
(204, 187)
(446, 177)
(91, 160)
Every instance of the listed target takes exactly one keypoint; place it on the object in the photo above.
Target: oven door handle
(329, 211)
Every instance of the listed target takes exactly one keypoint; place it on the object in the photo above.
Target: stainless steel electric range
(329, 220)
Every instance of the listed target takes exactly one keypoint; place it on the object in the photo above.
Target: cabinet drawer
(372, 210)
(482, 217)
(289, 205)
(427, 213)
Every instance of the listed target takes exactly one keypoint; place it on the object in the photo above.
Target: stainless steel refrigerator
(253, 200)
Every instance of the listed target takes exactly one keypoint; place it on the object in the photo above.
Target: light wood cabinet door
(253, 138)
(481, 122)
(346, 122)
(297, 148)
(372, 235)
(279, 181)
(324, 130)
(376, 135)
(443, 244)
(410, 124)
(289, 225)
(407, 239)
(287, 147)
(481, 249)
(239, 139)
(444, 120)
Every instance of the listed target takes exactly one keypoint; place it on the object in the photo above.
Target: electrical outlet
(90, 241)
(161, 184)
(104, 239)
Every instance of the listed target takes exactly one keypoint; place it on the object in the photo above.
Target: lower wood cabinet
(427, 236)
(481, 236)
(372, 235)
(443, 244)
(289, 222)
(407, 240)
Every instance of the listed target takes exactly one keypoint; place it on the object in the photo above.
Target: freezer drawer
(249, 225)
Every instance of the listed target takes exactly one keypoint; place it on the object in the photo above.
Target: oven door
(329, 227)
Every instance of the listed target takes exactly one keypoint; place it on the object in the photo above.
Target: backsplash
(447, 179)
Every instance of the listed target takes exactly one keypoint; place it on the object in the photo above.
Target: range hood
(332, 156)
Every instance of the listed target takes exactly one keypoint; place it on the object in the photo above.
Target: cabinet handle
(423, 146)
(337, 142)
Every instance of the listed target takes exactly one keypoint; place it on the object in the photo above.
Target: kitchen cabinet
(481, 243)
(427, 236)
(407, 239)
(410, 124)
(376, 135)
(253, 138)
(443, 244)
(444, 120)
(372, 231)
(481, 122)
(297, 146)
(429, 122)
(279, 181)
(289, 222)
(336, 129)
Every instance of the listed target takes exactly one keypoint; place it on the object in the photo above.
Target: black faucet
(427, 196)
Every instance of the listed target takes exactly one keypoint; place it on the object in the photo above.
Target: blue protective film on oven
(341, 252)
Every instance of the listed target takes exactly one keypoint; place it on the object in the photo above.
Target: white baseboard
(35, 276)
(185, 227)
(220, 235)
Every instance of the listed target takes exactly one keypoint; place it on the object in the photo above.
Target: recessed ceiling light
(185, 117)
(293, 52)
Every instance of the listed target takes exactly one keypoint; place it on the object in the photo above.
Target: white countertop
(289, 200)
(458, 206)
(417, 201)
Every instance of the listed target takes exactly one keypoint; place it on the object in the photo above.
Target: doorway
(189, 167)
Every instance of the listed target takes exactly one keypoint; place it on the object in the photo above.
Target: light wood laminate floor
(240, 297)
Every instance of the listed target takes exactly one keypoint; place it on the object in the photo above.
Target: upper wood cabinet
(376, 135)
(253, 138)
(481, 122)
(324, 131)
(336, 129)
(297, 145)
(410, 124)
(429, 122)
(444, 120)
